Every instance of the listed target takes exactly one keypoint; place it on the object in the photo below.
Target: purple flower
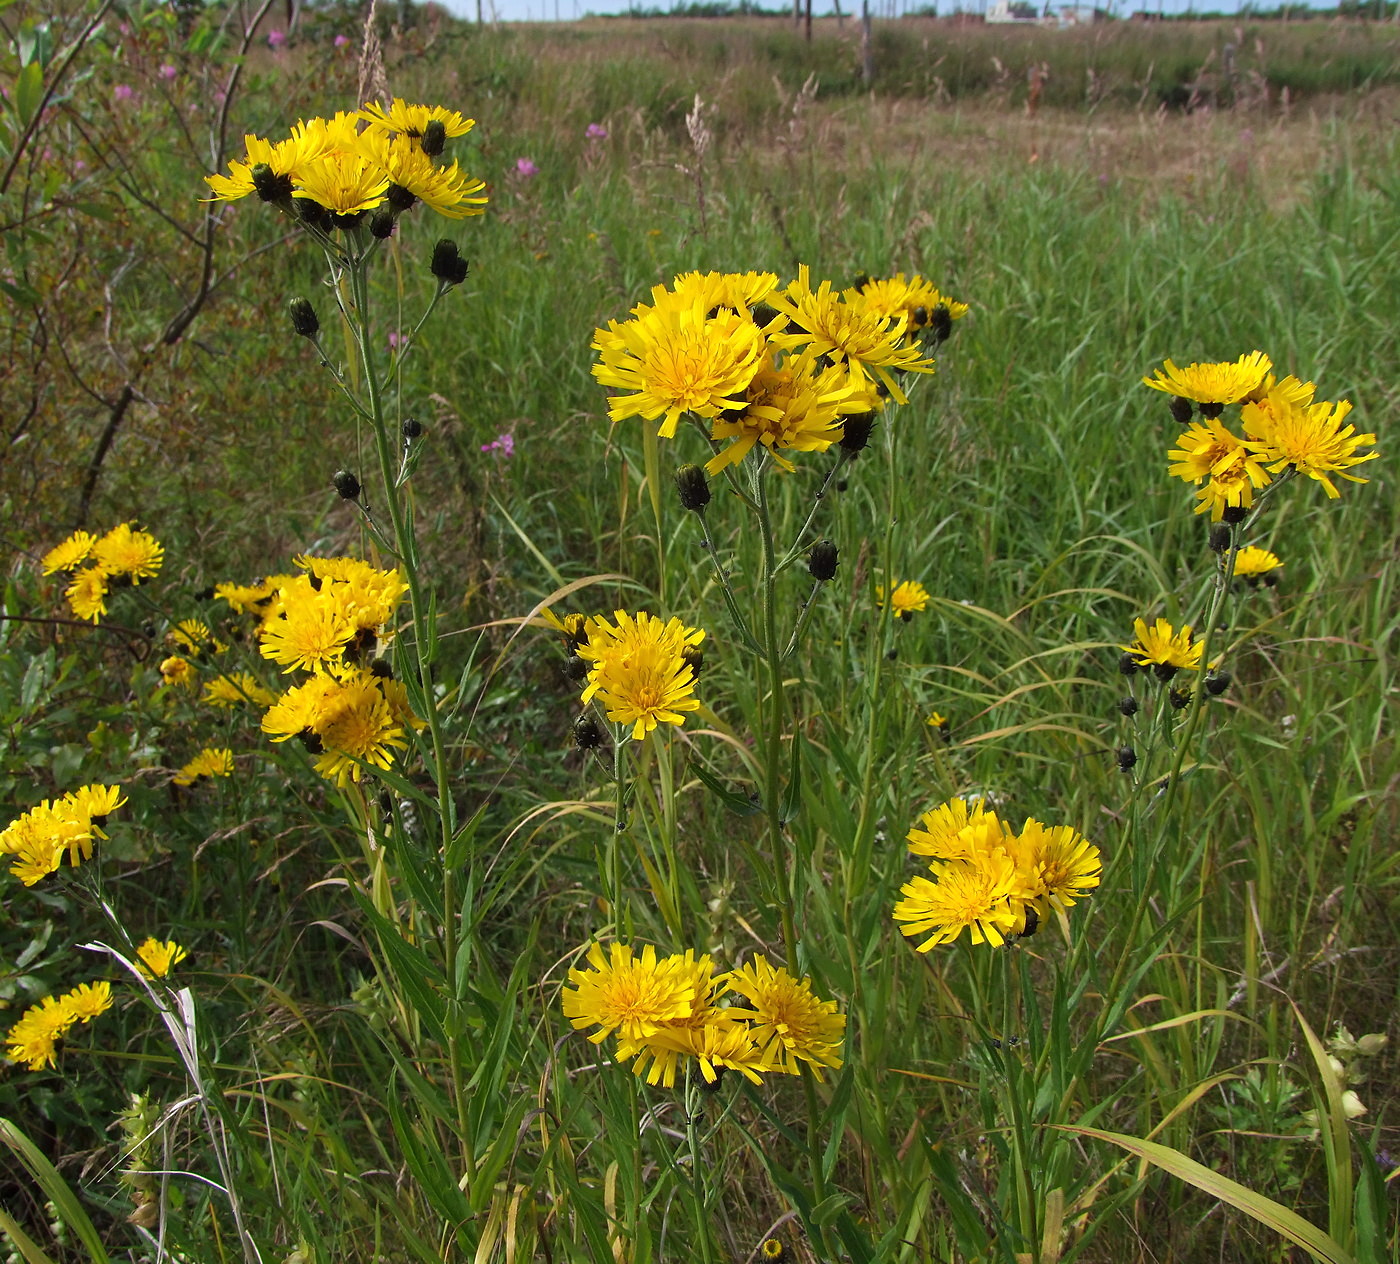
(596, 131)
(276, 38)
(168, 71)
(341, 41)
(123, 92)
(526, 168)
(396, 340)
(504, 443)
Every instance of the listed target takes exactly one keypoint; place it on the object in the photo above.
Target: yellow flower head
(344, 183)
(1308, 438)
(69, 555)
(676, 361)
(1213, 385)
(315, 626)
(795, 404)
(790, 1024)
(972, 895)
(1057, 866)
(959, 830)
(157, 958)
(235, 689)
(1256, 565)
(86, 1001)
(907, 597)
(447, 190)
(1164, 649)
(412, 120)
(177, 672)
(34, 1039)
(134, 554)
(280, 157)
(719, 1038)
(210, 762)
(849, 333)
(915, 298)
(642, 670)
(738, 291)
(87, 593)
(632, 996)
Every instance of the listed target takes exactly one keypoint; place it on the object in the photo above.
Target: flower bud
(1164, 671)
(1218, 683)
(347, 485)
(411, 427)
(576, 668)
(1179, 698)
(1211, 410)
(1128, 705)
(1234, 514)
(694, 658)
(305, 322)
(588, 733)
(434, 138)
(918, 318)
(1370, 1045)
(381, 225)
(1127, 664)
(855, 433)
(693, 488)
(448, 265)
(1126, 757)
(822, 561)
(1182, 408)
(381, 669)
(1219, 539)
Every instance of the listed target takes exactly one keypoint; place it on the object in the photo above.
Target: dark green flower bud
(855, 432)
(1127, 664)
(1032, 923)
(314, 215)
(348, 223)
(347, 485)
(576, 668)
(588, 733)
(1218, 683)
(1128, 705)
(1219, 539)
(448, 265)
(381, 669)
(918, 318)
(940, 323)
(1126, 757)
(762, 315)
(822, 561)
(1179, 698)
(305, 322)
(1212, 411)
(411, 427)
(693, 488)
(694, 658)
(434, 138)
(381, 225)
(1234, 514)
(268, 185)
(311, 740)
(1182, 409)
(400, 199)
(204, 594)
(1164, 671)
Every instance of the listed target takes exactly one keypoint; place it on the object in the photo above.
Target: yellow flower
(632, 996)
(69, 555)
(1213, 385)
(447, 190)
(1164, 649)
(791, 405)
(210, 762)
(122, 551)
(915, 298)
(1309, 439)
(158, 957)
(975, 896)
(87, 593)
(678, 361)
(1057, 866)
(314, 628)
(720, 1039)
(1255, 564)
(33, 1040)
(177, 672)
(959, 830)
(790, 1024)
(738, 291)
(848, 333)
(907, 597)
(642, 670)
(235, 688)
(357, 726)
(86, 1001)
(412, 120)
(342, 182)
(281, 157)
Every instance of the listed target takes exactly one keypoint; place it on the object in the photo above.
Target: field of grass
(366, 1055)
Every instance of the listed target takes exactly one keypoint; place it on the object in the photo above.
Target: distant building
(1013, 11)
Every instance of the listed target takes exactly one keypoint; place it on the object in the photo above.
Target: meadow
(375, 1045)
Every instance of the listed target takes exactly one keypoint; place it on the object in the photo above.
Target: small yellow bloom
(210, 762)
(158, 957)
(907, 597)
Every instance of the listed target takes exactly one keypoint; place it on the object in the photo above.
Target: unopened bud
(855, 433)
(268, 185)
(1211, 410)
(448, 265)
(1234, 514)
(305, 322)
(822, 561)
(1179, 698)
(1218, 683)
(411, 427)
(694, 658)
(693, 488)
(588, 733)
(940, 323)
(1127, 664)
(346, 484)
(381, 225)
(1182, 408)
(1126, 757)
(1128, 705)
(1219, 539)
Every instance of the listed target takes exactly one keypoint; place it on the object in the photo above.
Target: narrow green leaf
(740, 805)
(1266, 1211)
(55, 1188)
(23, 1243)
(29, 91)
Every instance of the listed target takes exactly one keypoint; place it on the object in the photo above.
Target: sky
(568, 10)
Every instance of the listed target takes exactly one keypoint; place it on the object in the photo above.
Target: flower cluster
(34, 1039)
(664, 1012)
(40, 839)
(333, 171)
(99, 564)
(1281, 430)
(990, 880)
(777, 368)
(642, 671)
(330, 621)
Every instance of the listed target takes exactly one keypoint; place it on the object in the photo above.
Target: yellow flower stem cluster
(99, 564)
(990, 880)
(33, 1040)
(39, 840)
(669, 1012)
